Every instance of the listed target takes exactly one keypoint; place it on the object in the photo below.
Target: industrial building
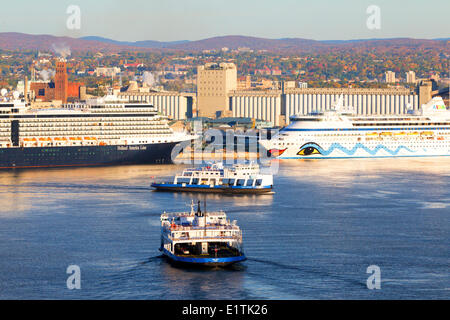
(59, 89)
(172, 104)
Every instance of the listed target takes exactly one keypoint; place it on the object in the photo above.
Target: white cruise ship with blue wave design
(338, 133)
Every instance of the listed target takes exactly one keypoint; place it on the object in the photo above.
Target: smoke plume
(149, 79)
(46, 74)
(61, 50)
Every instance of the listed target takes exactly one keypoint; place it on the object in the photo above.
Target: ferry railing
(234, 237)
(196, 228)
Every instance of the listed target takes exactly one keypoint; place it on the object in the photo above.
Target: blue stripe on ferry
(205, 186)
(367, 129)
(204, 260)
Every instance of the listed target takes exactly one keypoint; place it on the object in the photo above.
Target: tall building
(425, 90)
(61, 81)
(410, 77)
(214, 82)
(390, 77)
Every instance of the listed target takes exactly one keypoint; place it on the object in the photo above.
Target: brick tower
(61, 81)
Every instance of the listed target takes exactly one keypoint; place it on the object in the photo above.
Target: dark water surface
(314, 238)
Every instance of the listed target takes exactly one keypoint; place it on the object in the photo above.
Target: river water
(314, 238)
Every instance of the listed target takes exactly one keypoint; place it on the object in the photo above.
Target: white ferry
(201, 238)
(338, 133)
(217, 178)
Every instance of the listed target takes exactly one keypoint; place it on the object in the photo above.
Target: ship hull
(335, 150)
(37, 157)
(209, 189)
(198, 261)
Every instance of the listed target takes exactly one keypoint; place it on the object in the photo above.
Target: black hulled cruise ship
(103, 131)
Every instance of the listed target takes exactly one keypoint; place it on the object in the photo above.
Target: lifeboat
(415, 133)
(371, 134)
(400, 133)
(426, 133)
(386, 133)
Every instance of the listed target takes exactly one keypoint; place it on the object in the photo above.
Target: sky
(169, 20)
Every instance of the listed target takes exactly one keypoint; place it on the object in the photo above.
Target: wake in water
(314, 271)
(91, 187)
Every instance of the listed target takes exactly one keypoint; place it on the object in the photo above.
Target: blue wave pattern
(351, 152)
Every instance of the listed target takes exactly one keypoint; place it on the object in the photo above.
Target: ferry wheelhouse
(201, 238)
(100, 132)
(338, 133)
(218, 178)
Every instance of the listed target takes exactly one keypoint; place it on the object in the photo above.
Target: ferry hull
(209, 189)
(198, 261)
(36, 157)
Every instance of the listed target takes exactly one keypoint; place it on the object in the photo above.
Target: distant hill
(235, 42)
(142, 44)
(18, 41)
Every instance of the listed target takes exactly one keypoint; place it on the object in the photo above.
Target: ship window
(225, 181)
(183, 180)
(249, 182)
(240, 182)
(231, 181)
(258, 182)
(194, 181)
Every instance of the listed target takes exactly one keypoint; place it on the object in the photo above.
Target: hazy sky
(198, 19)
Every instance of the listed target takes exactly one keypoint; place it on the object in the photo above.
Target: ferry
(201, 238)
(339, 133)
(218, 178)
(102, 131)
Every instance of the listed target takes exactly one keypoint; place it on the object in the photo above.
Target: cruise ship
(338, 133)
(103, 131)
(219, 178)
(201, 238)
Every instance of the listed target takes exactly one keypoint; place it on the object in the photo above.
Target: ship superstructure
(220, 178)
(340, 134)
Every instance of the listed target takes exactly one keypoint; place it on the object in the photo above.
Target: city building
(214, 82)
(390, 77)
(410, 77)
(107, 71)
